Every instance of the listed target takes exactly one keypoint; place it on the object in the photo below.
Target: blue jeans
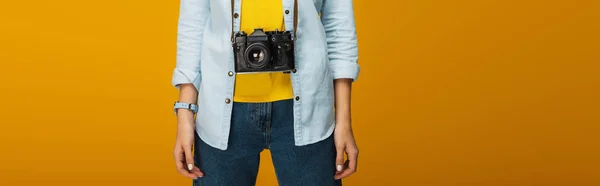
(259, 126)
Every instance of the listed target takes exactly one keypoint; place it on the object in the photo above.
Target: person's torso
(312, 81)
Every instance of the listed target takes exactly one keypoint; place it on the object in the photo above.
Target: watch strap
(189, 106)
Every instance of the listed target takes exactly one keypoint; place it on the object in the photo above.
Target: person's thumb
(189, 157)
(339, 160)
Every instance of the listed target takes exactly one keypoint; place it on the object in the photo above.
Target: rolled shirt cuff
(344, 69)
(182, 76)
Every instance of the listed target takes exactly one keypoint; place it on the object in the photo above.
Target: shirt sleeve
(193, 15)
(337, 17)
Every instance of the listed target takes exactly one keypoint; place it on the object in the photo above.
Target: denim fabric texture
(254, 128)
(325, 49)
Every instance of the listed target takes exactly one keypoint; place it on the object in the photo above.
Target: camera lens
(257, 55)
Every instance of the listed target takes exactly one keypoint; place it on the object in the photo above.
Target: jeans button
(230, 73)
(297, 98)
(236, 15)
(227, 100)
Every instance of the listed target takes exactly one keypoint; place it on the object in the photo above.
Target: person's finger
(189, 157)
(344, 173)
(350, 165)
(178, 155)
(353, 159)
(196, 171)
(179, 162)
(189, 160)
(183, 171)
(339, 159)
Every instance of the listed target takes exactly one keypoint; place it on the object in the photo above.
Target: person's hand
(184, 159)
(345, 144)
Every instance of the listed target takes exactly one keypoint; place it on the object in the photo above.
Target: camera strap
(295, 18)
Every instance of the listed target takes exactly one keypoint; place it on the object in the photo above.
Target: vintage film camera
(271, 51)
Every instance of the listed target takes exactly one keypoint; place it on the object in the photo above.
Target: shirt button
(297, 98)
(287, 11)
(230, 73)
(236, 15)
(227, 100)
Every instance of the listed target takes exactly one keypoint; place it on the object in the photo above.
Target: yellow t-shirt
(262, 87)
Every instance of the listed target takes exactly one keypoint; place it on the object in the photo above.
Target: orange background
(470, 93)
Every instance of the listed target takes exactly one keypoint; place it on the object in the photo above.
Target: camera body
(271, 51)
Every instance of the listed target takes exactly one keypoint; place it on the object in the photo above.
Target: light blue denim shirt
(325, 49)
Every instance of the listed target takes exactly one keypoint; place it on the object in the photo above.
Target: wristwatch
(189, 106)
